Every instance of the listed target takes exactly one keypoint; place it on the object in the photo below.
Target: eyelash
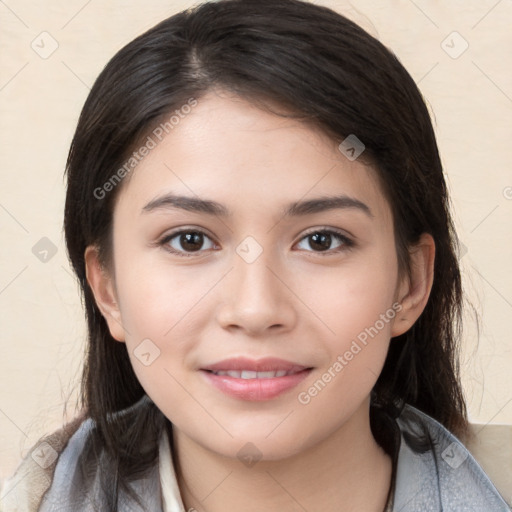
(347, 243)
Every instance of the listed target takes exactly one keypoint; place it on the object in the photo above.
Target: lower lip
(255, 389)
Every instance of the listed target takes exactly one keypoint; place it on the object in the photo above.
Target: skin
(294, 302)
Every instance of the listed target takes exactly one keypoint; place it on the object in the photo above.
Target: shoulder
(437, 472)
(65, 471)
(24, 490)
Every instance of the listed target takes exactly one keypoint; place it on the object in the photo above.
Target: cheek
(161, 311)
(361, 314)
(159, 301)
(356, 304)
(352, 298)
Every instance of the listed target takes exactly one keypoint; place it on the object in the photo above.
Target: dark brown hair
(320, 67)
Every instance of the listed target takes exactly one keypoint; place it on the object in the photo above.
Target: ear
(414, 290)
(103, 288)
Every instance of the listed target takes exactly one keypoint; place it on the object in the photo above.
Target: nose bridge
(255, 285)
(255, 298)
(254, 278)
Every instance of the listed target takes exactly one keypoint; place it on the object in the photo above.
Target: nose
(257, 298)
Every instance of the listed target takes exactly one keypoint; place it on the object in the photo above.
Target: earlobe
(101, 284)
(415, 290)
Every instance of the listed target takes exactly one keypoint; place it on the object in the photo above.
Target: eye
(185, 241)
(321, 239)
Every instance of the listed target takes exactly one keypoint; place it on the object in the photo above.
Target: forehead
(226, 148)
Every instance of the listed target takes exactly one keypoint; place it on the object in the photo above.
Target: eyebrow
(298, 208)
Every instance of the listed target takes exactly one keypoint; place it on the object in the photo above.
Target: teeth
(248, 374)
(268, 375)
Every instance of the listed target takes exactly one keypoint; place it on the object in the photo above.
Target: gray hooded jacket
(440, 476)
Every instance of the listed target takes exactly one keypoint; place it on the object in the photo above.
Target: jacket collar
(434, 472)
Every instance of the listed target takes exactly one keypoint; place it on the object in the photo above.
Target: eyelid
(321, 229)
(185, 229)
(342, 232)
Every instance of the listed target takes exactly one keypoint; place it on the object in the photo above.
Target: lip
(255, 389)
(267, 364)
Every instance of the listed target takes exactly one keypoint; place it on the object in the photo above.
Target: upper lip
(267, 364)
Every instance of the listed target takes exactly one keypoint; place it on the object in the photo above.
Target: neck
(346, 472)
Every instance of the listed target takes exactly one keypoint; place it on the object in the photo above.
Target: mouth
(255, 380)
(251, 367)
(249, 374)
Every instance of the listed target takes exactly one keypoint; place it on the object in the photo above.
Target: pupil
(188, 240)
(321, 239)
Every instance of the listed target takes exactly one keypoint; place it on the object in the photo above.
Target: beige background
(42, 329)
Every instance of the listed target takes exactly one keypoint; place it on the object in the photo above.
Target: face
(293, 295)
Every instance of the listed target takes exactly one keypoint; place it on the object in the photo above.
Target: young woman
(258, 219)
